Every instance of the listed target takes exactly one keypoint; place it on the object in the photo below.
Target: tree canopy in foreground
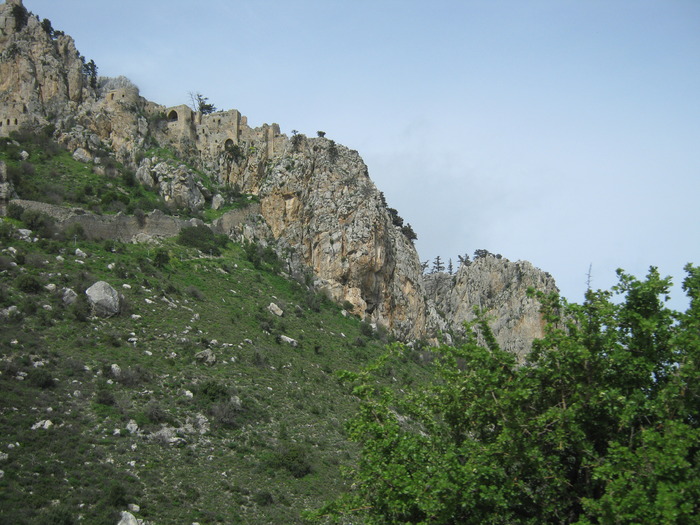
(599, 426)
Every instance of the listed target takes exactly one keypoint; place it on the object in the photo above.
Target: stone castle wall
(127, 228)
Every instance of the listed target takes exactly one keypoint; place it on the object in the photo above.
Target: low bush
(42, 378)
(291, 457)
(202, 238)
(28, 283)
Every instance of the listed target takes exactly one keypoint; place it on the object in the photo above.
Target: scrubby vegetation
(138, 411)
(48, 173)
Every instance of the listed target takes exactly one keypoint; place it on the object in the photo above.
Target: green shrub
(162, 258)
(194, 292)
(156, 413)
(41, 223)
(74, 232)
(291, 457)
(59, 515)
(202, 238)
(42, 378)
(15, 211)
(105, 397)
(263, 498)
(28, 283)
(117, 495)
(226, 413)
(212, 390)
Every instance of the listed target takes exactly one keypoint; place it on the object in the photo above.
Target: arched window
(228, 145)
(172, 116)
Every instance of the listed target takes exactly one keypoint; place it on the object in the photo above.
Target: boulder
(275, 310)
(82, 155)
(217, 201)
(289, 340)
(69, 296)
(103, 299)
(44, 424)
(127, 518)
(206, 356)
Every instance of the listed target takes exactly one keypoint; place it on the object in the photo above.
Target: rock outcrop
(40, 73)
(498, 287)
(320, 202)
(177, 184)
(7, 190)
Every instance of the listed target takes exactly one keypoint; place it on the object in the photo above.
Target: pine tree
(438, 265)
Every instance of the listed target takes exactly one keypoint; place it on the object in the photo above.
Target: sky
(565, 133)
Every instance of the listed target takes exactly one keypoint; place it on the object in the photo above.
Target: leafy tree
(21, 16)
(297, 140)
(201, 103)
(408, 232)
(333, 152)
(202, 238)
(90, 69)
(396, 219)
(47, 27)
(481, 253)
(162, 258)
(601, 425)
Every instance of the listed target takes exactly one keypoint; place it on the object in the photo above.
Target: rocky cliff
(498, 287)
(318, 206)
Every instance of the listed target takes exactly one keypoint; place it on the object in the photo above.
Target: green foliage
(28, 283)
(21, 16)
(42, 379)
(47, 27)
(41, 223)
(601, 425)
(262, 257)
(201, 103)
(90, 70)
(333, 152)
(297, 140)
(292, 457)
(52, 175)
(202, 238)
(162, 258)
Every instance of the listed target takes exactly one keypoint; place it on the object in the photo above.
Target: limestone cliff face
(318, 199)
(39, 75)
(499, 287)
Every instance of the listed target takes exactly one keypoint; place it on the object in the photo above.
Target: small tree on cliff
(463, 259)
(201, 103)
(90, 70)
(438, 265)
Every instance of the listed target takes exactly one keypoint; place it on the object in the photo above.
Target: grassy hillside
(139, 410)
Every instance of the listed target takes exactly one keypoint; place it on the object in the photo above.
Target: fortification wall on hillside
(127, 228)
